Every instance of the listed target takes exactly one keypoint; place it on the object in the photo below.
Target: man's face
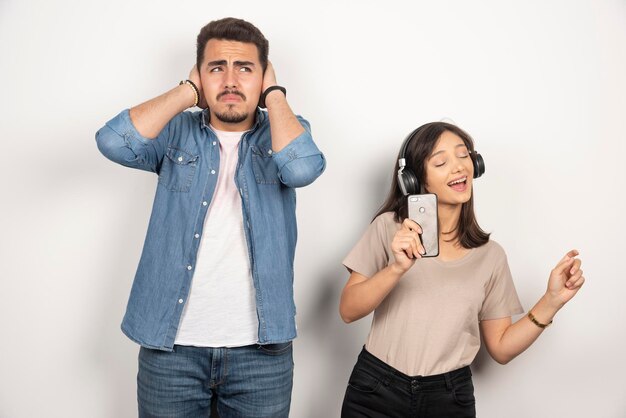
(232, 79)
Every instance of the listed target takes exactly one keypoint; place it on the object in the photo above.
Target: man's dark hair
(232, 29)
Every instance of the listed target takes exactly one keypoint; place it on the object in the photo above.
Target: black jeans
(376, 389)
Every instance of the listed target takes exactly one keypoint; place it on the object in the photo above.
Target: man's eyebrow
(235, 63)
(439, 152)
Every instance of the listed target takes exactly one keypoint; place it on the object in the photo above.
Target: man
(212, 301)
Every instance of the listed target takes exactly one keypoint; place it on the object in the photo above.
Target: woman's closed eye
(441, 163)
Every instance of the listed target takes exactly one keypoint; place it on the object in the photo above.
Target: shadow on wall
(331, 345)
(125, 198)
(336, 344)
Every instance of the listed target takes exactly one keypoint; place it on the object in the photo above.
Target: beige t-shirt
(428, 324)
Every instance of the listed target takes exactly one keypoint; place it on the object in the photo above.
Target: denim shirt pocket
(263, 165)
(178, 170)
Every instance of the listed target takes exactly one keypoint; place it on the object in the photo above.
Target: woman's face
(449, 170)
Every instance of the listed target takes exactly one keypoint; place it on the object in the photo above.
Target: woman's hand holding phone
(406, 245)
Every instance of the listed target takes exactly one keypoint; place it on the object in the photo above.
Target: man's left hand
(269, 78)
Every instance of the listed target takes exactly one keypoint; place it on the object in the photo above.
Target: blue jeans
(250, 381)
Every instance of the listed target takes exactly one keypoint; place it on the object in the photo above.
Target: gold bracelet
(534, 321)
(195, 91)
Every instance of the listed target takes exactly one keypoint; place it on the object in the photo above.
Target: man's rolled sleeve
(300, 162)
(120, 142)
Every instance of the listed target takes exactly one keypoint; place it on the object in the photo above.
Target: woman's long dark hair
(468, 232)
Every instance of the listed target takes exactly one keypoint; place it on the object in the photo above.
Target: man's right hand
(194, 76)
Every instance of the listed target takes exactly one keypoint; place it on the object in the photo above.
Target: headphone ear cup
(411, 185)
(479, 165)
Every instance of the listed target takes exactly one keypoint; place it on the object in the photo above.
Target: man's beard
(230, 116)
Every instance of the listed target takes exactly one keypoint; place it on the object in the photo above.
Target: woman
(429, 313)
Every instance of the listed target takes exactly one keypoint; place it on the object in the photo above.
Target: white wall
(539, 84)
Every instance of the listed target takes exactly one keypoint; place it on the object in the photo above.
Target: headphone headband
(404, 146)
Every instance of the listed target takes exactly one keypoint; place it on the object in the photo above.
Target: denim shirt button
(214, 142)
(204, 203)
(197, 235)
(180, 301)
(212, 171)
(188, 267)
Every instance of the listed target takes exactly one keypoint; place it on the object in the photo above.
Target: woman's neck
(449, 216)
(450, 247)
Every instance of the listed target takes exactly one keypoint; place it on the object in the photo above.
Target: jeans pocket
(263, 165)
(464, 393)
(178, 170)
(363, 381)
(275, 349)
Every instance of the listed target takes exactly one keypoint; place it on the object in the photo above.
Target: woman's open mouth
(459, 184)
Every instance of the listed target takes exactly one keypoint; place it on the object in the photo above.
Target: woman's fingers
(571, 282)
(413, 239)
(570, 254)
(413, 229)
(408, 241)
(578, 283)
(411, 225)
(410, 246)
(563, 265)
(576, 266)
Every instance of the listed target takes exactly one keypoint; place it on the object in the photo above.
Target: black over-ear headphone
(407, 180)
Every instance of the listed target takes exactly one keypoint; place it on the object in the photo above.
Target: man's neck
(229, 132)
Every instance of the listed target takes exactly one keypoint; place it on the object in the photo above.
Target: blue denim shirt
(186, 157)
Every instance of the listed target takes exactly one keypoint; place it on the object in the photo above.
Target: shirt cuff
(302, 146)
(124, 127)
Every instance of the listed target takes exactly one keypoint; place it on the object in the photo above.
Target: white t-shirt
(221, 308)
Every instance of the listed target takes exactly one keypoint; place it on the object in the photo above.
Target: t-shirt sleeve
(370, 254)
(501, 298)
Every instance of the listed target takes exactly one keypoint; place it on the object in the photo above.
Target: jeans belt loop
(446, 376)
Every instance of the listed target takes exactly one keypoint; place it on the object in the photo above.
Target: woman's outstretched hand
(565, 280)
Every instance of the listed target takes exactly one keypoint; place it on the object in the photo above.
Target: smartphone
(423, 210)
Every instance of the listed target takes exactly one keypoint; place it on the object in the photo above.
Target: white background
(539, 84)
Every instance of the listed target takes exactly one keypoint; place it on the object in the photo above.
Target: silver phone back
(423, 210)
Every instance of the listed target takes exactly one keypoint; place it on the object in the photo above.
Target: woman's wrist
(545, 309)
(552, 302)
(396, 269)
